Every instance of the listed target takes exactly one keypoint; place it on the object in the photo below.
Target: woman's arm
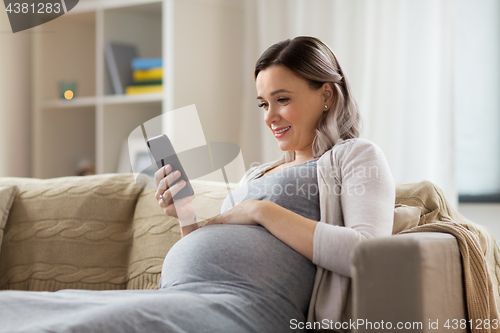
(366, 200)
(291, 228)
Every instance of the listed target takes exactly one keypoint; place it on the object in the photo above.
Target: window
(477, 88)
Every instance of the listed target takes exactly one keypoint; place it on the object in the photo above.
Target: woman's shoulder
(354, 145)
(351, 149)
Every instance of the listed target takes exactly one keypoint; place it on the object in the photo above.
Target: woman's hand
(291, 228)
(244, 212)
(183, 208)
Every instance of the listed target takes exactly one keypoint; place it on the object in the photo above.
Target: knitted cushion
(405, 217)
(70, 232)
(7, 195)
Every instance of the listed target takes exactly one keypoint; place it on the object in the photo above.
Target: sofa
(103, 232)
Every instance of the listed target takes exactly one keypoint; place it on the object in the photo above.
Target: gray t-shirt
(249, 261)
(294, 188)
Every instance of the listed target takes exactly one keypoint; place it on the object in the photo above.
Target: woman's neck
(303, 156)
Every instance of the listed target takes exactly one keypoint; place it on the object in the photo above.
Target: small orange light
(68, 94)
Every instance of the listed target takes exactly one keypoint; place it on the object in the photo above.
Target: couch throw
(478, 248)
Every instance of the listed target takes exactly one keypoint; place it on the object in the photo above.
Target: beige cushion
(70, 232)
(155, 233)
(405, 217)
(7, 195)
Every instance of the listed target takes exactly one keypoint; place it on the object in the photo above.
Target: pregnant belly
(239, 256)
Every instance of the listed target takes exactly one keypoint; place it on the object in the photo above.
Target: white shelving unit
(199, 41)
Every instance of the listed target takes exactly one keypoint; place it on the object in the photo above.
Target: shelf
(199, 42)
(140, 26)
(73, 103)
(106, 100)
(93, 5)
(139, 98)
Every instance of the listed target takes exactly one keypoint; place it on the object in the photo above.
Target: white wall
(486, 214)
(15, 100)
(207, 56)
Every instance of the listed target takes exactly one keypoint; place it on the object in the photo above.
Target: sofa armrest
(408, 278)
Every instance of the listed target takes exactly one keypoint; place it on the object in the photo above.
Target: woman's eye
(262, 105)
(283, 100)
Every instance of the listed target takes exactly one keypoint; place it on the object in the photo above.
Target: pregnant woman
(280, 256)
(278, 259)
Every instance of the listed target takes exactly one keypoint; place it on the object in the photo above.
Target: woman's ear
(327, 91)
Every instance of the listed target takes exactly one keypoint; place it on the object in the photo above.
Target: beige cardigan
(357, 195)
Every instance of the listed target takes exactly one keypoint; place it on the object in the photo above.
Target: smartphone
(163, 153)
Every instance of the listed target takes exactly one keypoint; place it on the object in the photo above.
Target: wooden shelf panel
(73, 103)
(106, 100)
(93, 5)
(126, 99)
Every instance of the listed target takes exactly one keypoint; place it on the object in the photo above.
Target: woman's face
(291, 108)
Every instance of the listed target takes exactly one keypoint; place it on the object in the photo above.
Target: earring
(326, 106)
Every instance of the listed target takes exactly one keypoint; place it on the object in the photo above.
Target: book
(150, 74)
(146, 63)
(131, 90)
(119, 58)
(146, 83)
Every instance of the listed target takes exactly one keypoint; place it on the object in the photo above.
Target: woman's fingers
(171, 192)
(177, 202)
(166, 190)
(161, 173)
(165, 183)
(171, 178)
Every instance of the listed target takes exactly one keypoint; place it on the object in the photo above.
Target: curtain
(398, 56)
(15, 101)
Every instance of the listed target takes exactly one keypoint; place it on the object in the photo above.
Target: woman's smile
(280, 131)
